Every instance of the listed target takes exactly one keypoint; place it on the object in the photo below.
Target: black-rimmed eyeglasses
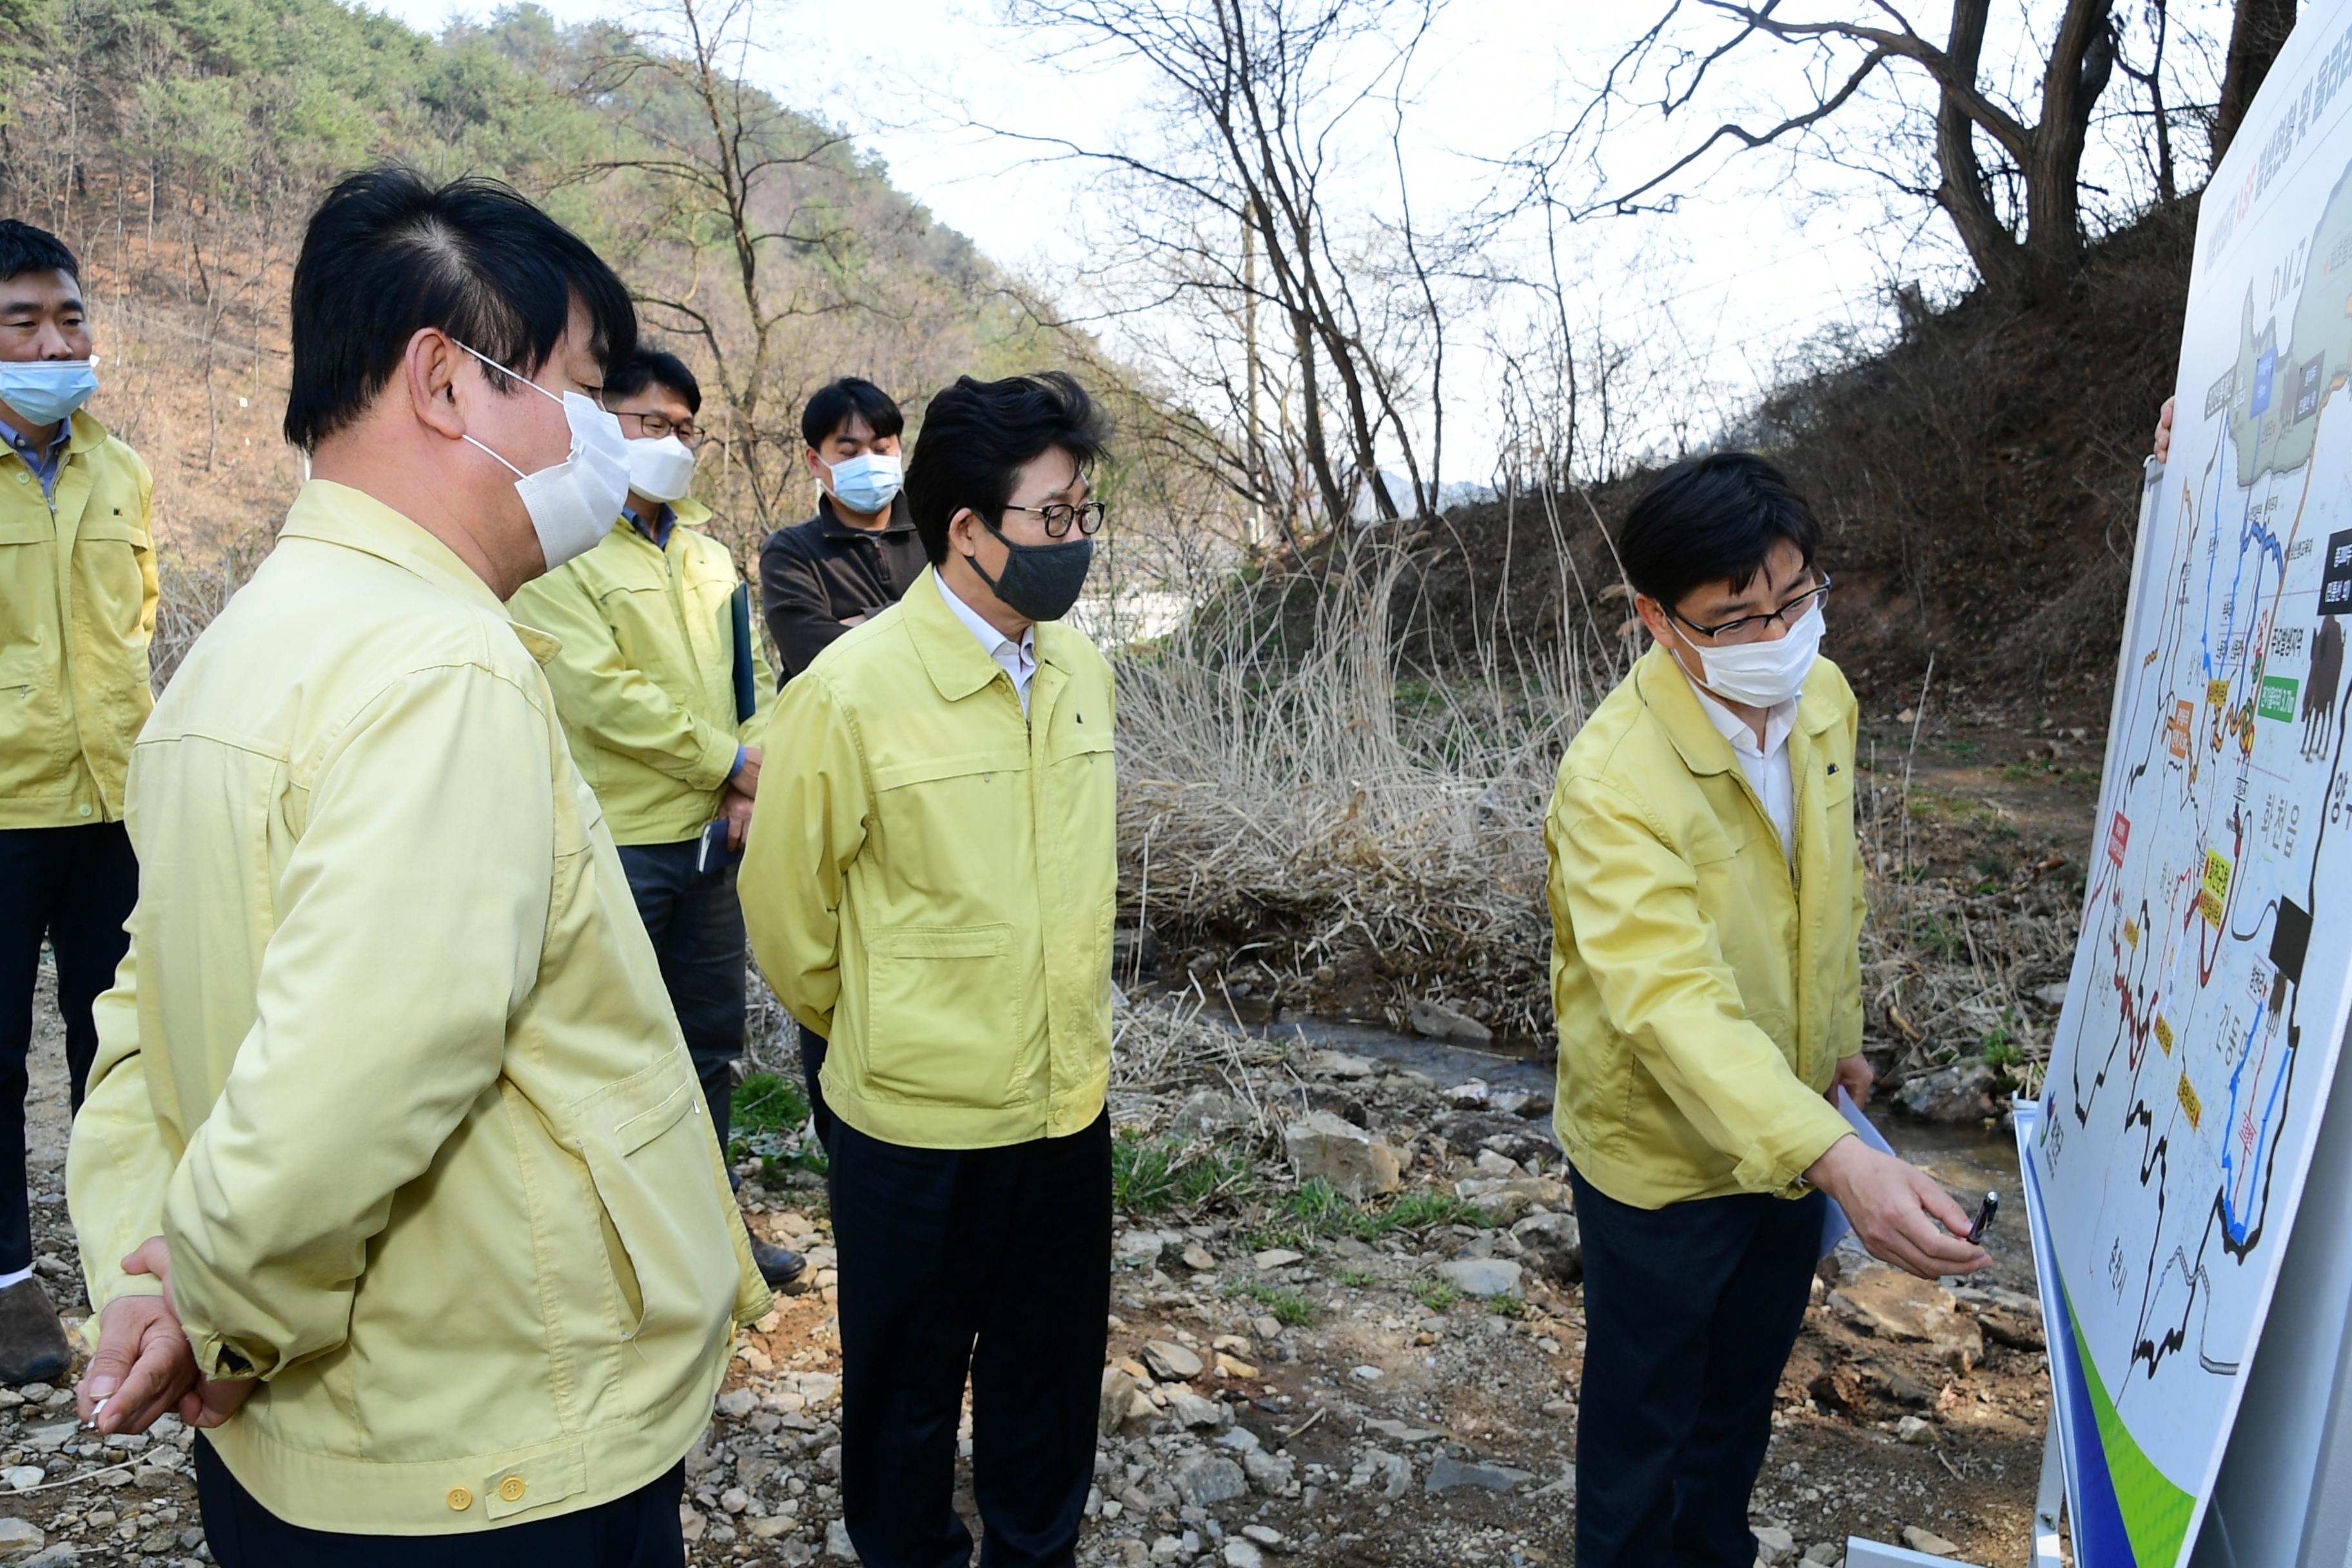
(1060, 515)
(1751, 628)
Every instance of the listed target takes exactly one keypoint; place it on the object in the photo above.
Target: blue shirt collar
(44, 464)
(656, 532)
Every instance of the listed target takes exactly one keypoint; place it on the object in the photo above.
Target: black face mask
(1040, 581)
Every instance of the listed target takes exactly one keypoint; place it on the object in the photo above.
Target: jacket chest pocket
(28, 598)
(1082, 798)
(958, 830)
(113, 561)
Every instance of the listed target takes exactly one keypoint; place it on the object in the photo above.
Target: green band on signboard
(2278, 697)
(2155, 1513)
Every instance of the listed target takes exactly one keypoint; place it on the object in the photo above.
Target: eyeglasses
(1752, 629)
(658, 425)
(1059, 515)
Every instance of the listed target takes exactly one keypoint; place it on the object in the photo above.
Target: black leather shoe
(781, 1267)
(33, 1347)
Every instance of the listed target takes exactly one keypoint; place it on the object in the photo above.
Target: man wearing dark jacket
(857, 555)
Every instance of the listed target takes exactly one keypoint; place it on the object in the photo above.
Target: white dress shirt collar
(1018, 660)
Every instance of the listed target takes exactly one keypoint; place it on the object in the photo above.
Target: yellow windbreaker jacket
(77, 609)
(646, 680)
(1704, 993)
(391, 1067)
(930, 880)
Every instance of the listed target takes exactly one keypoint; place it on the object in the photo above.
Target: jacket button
(23, 478)
(511, 1488)
(85, 811)
(460, 1500)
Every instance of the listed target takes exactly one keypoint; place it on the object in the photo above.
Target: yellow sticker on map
(2216, 692)
(2164, 1034)
(2189, 1102)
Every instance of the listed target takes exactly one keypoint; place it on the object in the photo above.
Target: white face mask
(661, 470)
(571, 505)
(1763, 674)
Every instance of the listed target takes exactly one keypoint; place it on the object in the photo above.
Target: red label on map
(2118, 835)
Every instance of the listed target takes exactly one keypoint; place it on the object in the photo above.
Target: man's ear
(1654, 617)
(962, 529)
(429, 371)
(817, 469)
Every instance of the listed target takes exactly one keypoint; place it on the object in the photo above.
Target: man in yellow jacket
(391, 1140)
(1706, 902)
(930, 886)
(660, 684)
(76, 606)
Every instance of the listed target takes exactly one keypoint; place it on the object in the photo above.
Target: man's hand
(1894, 1208)
(209, 1403)
(2164, 433)
(1855, 1077)
(143, 1367)
(737, 810)
(746, 777)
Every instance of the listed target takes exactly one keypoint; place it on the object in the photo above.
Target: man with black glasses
(1707, 900)
(929, 885)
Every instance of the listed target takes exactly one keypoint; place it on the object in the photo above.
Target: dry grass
(1319, 807)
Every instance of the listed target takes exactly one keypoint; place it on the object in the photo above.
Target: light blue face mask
(46, 390)
(867, 483)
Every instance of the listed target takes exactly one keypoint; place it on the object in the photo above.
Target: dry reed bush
(1322, 809)
(1165, 1049)
(1953, 974)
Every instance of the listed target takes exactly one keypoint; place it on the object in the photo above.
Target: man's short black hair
(838, 401)
(24, 249)
(1711, 520)
(389, 253)
(978, 434)
(653, 367)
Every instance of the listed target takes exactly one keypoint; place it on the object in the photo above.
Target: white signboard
(2212, 982)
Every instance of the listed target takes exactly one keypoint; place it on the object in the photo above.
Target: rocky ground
(1346, 1328)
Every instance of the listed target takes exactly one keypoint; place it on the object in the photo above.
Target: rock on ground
(1440, 1022)
(1482, 1276)
(1447, 1474)
(1330, 1148)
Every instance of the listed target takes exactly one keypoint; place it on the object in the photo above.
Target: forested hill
(179, 145)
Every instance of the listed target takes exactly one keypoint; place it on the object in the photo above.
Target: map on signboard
(2212, 982)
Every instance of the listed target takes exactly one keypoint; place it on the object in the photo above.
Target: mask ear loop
(502, 370)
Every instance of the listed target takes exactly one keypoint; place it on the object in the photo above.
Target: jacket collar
(951, 656)
(829, 523)
(683, 513)
(1666, 692)
(329, 513)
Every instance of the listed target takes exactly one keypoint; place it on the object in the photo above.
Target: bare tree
(2005, 173)
(1260, 98)
(2257, 32)
(720, 156)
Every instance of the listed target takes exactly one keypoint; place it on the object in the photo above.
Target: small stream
(1969, 1164)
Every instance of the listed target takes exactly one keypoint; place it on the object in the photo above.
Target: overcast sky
(1754, 263)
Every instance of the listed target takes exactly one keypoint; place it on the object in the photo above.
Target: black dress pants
(812, 1051)
(991, 1261)
(637, 1531)
(697, 925)
(1690, 1311)
(73, 886)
